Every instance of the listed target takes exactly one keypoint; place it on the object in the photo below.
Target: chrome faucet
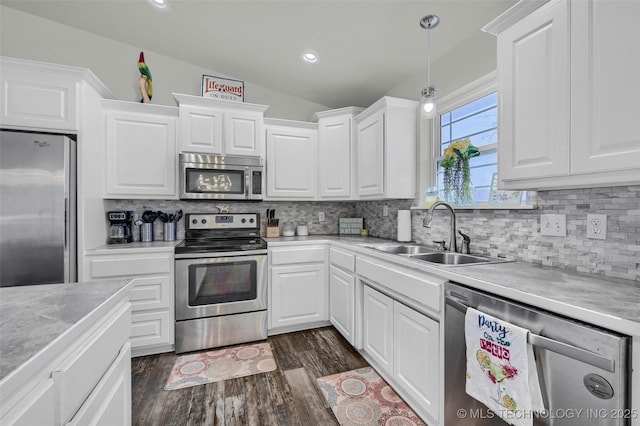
(426, 222)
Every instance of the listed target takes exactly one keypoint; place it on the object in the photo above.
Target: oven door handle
(211, 255)
(552, 345)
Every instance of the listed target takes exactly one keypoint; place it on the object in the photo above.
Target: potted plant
(458, 189)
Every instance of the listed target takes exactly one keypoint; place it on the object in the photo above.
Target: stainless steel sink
(403, 249)
(448, 258)
(430, 254)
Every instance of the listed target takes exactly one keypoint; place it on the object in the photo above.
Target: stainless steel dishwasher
(583, 370)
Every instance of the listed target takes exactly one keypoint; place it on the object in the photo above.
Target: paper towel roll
(404, 225)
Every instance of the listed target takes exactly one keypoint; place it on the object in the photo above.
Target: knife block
(273, 231)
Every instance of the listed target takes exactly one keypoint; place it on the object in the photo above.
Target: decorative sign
(222, 88)
(498, 196)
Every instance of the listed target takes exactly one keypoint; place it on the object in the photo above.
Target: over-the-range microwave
(220, 177)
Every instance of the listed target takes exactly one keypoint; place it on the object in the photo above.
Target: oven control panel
(223, 221)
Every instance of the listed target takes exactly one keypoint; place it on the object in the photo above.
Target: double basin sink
(429, 254)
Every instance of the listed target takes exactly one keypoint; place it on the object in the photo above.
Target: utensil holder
(146, 232)
(273, 231)
(169, 231)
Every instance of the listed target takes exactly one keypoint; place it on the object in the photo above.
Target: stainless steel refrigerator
(37, 208)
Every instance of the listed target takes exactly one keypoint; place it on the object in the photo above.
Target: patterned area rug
(214, 366)
(361, 397)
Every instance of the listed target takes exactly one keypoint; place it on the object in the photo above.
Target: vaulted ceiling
(365, 48)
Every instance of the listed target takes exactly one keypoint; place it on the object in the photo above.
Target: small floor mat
(361, 397)
(222, 364)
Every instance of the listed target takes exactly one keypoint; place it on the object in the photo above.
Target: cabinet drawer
(152, 328)
(150, 293)
(110, 402)
(342, 259)
(289, 255)
(76, 377)
(423, 288)
(130, 265)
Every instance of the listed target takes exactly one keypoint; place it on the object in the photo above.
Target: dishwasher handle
(552, 345)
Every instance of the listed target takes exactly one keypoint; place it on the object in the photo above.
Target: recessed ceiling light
(310, 57)
(160, 4)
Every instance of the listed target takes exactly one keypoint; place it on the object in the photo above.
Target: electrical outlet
(321, 217)
(385, 210)
(553, 224)
(597, 226)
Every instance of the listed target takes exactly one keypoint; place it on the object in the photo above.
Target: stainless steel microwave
(220, 177)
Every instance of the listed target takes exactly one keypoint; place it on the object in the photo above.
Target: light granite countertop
(608, 302)
(152, 246)
(37, 317)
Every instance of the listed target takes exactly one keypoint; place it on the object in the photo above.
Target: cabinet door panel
(605, 132)
(370, 155)
(334, 149)
(141, 155)
(243, 134)
(201, 130)
(416, 359)
(533, 64)
(291, 163)
(298, 295)
(341, 302)
(378, 328)
(34, 96)
(152, 329)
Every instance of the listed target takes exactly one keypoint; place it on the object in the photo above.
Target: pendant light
(428, 99)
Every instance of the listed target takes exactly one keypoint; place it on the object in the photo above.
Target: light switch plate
(597, 226)
(553, 224)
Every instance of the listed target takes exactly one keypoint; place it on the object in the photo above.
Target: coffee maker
(120, 227)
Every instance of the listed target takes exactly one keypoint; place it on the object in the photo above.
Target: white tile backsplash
(514, 234)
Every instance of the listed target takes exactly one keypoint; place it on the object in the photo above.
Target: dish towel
(501, 368)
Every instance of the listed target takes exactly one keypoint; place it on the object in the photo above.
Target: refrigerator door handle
(552, 345)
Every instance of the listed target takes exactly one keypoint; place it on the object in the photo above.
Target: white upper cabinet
(605, 87)
(386, 149)
(336, 153)
(41, 96)
(568, 87)
(213, 126)
(534, 95)
(141, 159)
(291, 164)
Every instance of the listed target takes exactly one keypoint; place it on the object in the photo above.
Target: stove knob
(204, 221)
(251, 220)
(244, 220)
(194, 221)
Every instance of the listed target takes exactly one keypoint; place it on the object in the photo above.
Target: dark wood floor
(285, 396)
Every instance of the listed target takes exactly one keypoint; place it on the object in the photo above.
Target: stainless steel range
(221, 282)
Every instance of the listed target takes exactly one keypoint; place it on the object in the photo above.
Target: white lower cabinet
(377, 328)
(342, 292)
(416, 341)
(401, 308)
(298, 288)
(152, 295)
(85, 382)
(341, 301)
(405, 345)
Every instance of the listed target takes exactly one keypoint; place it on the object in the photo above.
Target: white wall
(29, 37)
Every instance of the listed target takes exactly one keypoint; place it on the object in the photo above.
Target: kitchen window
(471, 112)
